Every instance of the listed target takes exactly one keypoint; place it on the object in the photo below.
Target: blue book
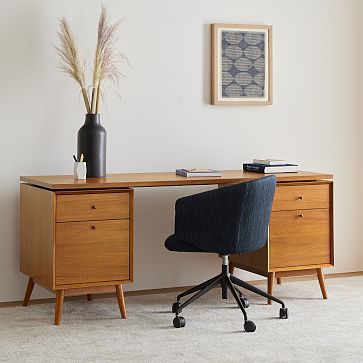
(270, 169)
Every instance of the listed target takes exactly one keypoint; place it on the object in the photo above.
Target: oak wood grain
(37, 209)
(270, 285)
(92, 251)
(58, 307)
(301, 196)
(121, 300)
(87, 285)
(71, 243)
(295, 248)
(295, 273)
(132, 180)
(92, 206)
(28, 292)
(322, 283)
(89, 291)
(131, 234)
(331, 210)
(256, 262)
(299, 268)
(299, 237)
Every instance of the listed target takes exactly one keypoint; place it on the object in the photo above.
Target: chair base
(227, 282)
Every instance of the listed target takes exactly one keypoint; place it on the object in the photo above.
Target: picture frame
(241, 64)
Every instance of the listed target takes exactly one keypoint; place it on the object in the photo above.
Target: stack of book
(270, 166)
(193, 172)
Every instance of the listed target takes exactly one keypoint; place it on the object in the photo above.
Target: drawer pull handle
(93, 227)
(93, 207)
(301, 215)
(301, 197)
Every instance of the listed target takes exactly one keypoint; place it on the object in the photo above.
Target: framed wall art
(241, 64)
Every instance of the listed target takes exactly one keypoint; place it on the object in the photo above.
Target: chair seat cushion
(172, 243)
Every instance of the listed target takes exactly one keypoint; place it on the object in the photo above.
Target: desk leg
(278, 281)
(322, 282)
(28, 292)
(121, 300)
(231, 268)
(89, 297)
(58, 307)
(270, 284)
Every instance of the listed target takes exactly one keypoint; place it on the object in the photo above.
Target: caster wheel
(245, 302)
(179, 322)
(284, 313)
(175, 307)
(250, 326)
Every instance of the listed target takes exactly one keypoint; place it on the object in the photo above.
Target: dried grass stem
(71, 62)
(106, 61)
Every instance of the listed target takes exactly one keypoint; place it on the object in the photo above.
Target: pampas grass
(71, 62)
(106, 61)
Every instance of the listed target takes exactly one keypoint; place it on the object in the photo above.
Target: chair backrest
(229, 220)
(255, 213)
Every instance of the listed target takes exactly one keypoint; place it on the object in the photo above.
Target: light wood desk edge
(160, 179)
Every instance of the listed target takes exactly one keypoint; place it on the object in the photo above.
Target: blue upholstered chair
(229, 220)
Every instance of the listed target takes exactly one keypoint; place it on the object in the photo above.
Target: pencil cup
(80, 170)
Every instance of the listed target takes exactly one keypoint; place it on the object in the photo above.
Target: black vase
(92, 144)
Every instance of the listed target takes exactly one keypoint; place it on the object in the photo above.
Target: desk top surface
(132, 180)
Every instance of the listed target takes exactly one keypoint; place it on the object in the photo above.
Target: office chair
(229, 220)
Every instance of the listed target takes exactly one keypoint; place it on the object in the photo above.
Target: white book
(193, 172)
(270, 169)
(281, 169)
(269, 161)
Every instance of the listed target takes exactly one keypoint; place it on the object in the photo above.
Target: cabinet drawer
(92, 251)
(92, 206)
(291, 197)
(299, 238)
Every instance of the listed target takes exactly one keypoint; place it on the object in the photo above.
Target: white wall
(359, 16)
(165, 119)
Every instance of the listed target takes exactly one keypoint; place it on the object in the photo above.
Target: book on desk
(194, 172)
(270, 166)
(269, 161)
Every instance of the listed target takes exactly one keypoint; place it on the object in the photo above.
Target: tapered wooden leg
(28, 292)
(89, 297)
(322, 282)
(58, 307)
(121, 300)
(270, 284)
(279, 280)
(231, 268)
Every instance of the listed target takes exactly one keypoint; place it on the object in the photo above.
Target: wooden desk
(77, 235)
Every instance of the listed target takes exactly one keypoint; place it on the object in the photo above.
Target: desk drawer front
(299, 238)
(92, 251)
(92, 206)
(291, 197)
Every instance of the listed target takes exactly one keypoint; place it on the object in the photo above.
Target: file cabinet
(300, 240)
(76, 242)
